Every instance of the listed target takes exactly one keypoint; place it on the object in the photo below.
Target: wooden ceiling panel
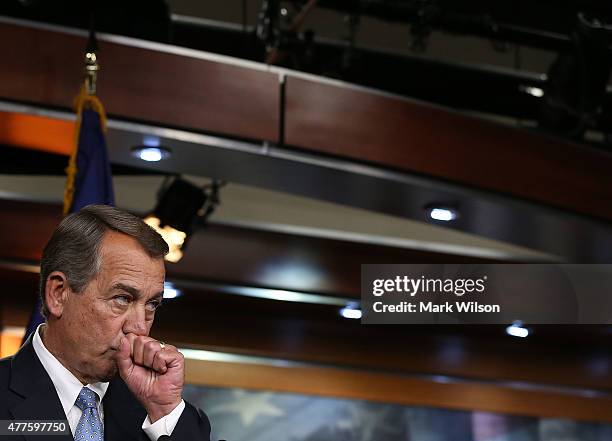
(149, 84)
(410, 136)
(233, 255)
(289, 262)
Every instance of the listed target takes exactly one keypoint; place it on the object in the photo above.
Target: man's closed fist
(154, 373)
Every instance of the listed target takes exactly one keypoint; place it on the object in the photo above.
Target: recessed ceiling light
(150, 154)
(170, 291)
(351, 311)
(442, 214)
(533, 91)
(517, 329)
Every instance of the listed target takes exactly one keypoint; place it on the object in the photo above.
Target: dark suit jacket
(27, 393)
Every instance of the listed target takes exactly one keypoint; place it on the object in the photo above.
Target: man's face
(120, 299)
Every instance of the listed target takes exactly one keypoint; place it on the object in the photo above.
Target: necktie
(90, 426)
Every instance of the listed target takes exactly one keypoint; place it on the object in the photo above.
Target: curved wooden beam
(398, 133)
(144, 81)
(511, 185)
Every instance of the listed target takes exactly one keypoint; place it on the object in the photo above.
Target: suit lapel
(30, 380)
(123, 415)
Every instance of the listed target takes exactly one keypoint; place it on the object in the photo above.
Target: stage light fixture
(575, 91)
(180, 207)
(174, 238)
(517, 329)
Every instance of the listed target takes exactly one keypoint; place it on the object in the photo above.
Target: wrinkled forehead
(120, 252)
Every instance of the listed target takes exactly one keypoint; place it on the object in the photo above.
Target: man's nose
(136, 322)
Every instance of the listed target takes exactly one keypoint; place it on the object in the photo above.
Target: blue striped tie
(90, 426)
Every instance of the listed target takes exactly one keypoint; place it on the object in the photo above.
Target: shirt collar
(66, 384)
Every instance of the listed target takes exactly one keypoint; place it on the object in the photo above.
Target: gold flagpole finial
(91, 72)
(91, 59)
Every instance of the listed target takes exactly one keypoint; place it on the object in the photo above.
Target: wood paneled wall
(398, 389)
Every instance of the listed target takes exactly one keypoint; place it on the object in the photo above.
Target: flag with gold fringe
(89, 177)
(89, 174)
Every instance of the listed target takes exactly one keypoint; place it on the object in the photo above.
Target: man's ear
(56, 293)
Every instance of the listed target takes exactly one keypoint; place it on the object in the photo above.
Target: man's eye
(152, 306)
(122, 300)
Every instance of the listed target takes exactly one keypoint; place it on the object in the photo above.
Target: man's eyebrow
(127, 288)
(136, 292)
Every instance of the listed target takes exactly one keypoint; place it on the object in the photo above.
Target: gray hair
(74, 247)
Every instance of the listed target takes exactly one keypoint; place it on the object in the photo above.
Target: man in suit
(92, 362)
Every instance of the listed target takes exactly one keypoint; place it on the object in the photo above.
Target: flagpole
(89, 176)
(91, 61)
(87, 98)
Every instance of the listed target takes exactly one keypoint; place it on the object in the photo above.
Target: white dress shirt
(68, 388)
